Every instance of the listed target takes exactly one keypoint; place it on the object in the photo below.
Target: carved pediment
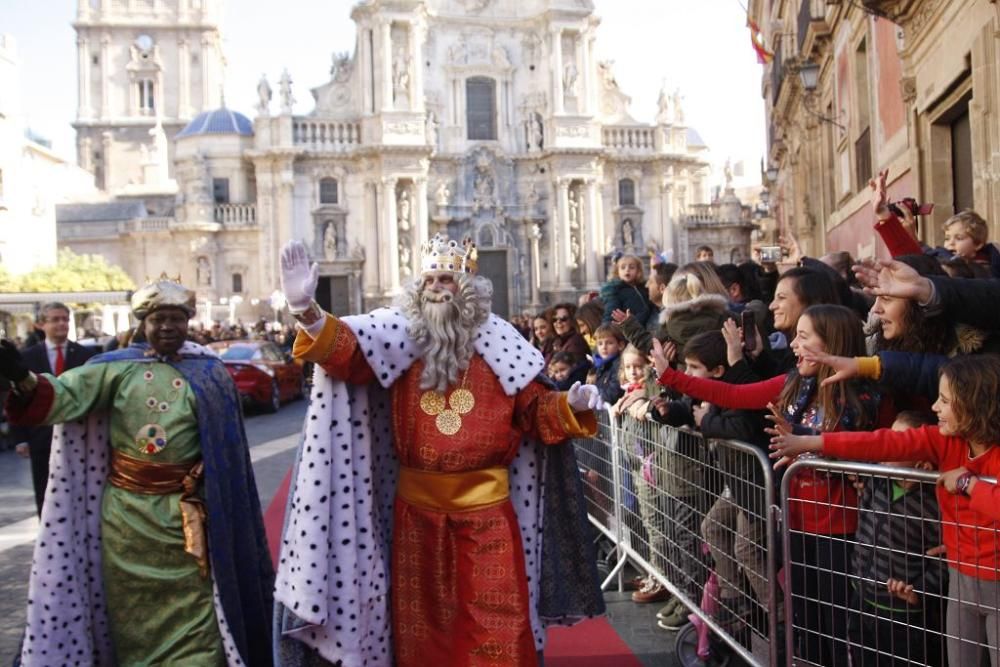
(334, 98)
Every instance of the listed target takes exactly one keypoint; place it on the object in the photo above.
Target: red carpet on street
(592, 643)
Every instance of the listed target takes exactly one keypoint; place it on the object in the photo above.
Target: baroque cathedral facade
(490, 119)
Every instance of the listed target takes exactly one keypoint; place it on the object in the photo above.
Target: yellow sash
(453, 491)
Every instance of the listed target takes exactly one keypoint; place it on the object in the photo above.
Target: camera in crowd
(915, 209)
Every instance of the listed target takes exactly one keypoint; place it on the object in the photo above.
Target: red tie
(60, 360)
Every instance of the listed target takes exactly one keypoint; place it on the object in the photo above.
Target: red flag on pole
(757, 40)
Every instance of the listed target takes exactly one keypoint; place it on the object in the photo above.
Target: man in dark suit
(53, 355)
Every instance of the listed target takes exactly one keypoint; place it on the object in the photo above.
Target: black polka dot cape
(67, 621)
(332, 587)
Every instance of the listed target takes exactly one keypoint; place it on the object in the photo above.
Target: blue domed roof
(219, 121)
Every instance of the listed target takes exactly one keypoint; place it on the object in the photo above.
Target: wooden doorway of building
(493, 264)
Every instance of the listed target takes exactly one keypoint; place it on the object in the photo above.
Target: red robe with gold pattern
(459, 586)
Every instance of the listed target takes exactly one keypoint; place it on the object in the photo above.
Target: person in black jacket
(53, 355)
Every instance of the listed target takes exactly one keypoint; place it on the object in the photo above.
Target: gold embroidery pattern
(448, 410)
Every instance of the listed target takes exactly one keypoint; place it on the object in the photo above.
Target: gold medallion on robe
(448, 410)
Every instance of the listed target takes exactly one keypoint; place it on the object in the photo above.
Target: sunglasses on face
(560, 319)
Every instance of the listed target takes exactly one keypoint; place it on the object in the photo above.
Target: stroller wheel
(686, 650)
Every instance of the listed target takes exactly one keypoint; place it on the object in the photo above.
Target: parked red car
(264, 375)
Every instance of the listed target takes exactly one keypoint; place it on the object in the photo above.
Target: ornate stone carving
(432, 129)
(404, 127)
(401, 78)
(908, 89)
(571, 131)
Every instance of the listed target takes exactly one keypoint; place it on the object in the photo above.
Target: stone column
(593, 249)
(417, 58)
(105, 75)
(389, 223)
(557, 71)
(420, 231)
(585, 107)
(666, 228)
(83, 55)
(534, 231)
(592, 81)
(564, 254)
(183, 79)
(386, 42)
(364, 68)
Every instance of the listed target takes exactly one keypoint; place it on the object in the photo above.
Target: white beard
(443, 329)
(444, 325)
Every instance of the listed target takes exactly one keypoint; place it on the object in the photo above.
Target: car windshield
(239, 353)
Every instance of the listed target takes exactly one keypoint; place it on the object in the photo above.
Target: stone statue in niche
(403, 210)
(432, 129)
(443, 195)
(204, 272)
(574, 251)
(285, 89)
(727, 172)
(628, 233)
(570, 76)
(330, 242)
(573, 206)
(405, 270)
(401, 78)
(535, 132)
(263, 95)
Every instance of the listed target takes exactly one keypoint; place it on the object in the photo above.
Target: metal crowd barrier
(703, 518)
(842, 610)
(694, 514)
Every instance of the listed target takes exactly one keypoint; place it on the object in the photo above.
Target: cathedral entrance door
(333, 294)
(493, 265)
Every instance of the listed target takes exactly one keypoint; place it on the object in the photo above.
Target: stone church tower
(142, 63)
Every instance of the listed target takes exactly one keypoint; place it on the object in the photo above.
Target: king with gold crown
(435, 514)
(152, 547)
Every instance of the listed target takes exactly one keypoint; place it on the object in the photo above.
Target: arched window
(481, 108)
(237, 283)
(328, 191)
(147, 103)
(626, 192)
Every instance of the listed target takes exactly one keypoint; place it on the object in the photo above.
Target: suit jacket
(36, 358)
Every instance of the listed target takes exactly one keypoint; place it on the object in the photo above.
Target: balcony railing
(236, 215)
(326, 135)
(630, 138)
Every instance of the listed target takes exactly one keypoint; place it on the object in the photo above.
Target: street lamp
(809, 77)
(772, 174)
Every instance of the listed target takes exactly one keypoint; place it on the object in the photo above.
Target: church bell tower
(145, 68)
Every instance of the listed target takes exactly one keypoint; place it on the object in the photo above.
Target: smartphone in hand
(749, 323)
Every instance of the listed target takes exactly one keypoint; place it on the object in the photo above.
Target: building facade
(483, 118)
(911, 86)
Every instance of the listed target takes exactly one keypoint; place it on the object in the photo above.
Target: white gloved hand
(298, 277)
(583, 397)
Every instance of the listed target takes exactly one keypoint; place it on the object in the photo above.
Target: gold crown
(440, 254)
(161, 293)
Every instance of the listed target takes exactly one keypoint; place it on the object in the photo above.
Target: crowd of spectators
(873, 361)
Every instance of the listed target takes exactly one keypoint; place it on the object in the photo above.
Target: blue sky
(701, 46)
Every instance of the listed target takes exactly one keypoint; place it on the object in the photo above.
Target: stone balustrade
(326, 135)
(629, 138)
(236, 215)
